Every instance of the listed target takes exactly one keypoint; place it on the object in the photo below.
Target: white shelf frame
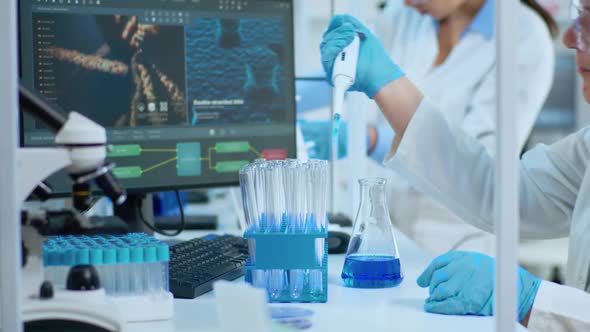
(10, 282)
(506, 196)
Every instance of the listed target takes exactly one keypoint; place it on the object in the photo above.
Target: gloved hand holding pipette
(354, 60)
(374, 67)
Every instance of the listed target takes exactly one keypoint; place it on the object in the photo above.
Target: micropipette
(343, 77)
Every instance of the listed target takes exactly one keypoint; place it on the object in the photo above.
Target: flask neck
(373, 198)
(372, 191)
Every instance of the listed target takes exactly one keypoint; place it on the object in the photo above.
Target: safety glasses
(581, 23)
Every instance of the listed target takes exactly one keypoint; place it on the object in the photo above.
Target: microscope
(81, 149)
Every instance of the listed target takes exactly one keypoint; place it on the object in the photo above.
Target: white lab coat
(445, 162)
(463, 88)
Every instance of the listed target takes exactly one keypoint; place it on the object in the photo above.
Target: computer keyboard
(196, 264)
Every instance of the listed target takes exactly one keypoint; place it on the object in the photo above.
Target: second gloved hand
(375, 69)
(462, 283)
(317, 134)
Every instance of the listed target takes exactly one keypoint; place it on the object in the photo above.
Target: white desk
(347, 309)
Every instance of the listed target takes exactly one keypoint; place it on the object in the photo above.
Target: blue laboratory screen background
(236, 59)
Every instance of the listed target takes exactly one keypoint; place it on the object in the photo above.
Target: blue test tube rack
(286, 252)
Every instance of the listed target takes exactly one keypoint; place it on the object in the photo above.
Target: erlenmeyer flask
(372, 259)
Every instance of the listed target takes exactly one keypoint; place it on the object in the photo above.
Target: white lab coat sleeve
(480, 118)
(534, 83)
(456, 170)
(385, 28)
(560, 308)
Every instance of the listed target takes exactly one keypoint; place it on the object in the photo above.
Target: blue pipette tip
(336, 127)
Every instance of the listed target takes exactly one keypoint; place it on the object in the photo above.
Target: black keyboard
(196, 264)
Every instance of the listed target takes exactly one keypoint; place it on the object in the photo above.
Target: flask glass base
(372, 272)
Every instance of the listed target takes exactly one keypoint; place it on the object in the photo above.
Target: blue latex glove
(375, 68)
(319, 133)
(462, 283)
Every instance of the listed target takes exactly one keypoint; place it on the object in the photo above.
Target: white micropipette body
(343, 77)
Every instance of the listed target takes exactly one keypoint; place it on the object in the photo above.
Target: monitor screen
(188, 90)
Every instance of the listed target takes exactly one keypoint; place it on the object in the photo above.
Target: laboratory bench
(347, 309)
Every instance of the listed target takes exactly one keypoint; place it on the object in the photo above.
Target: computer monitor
(188, 90)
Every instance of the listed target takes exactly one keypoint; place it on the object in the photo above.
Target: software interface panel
(189, 90)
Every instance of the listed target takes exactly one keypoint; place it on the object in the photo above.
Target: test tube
(259, 196)
(311, 195)
(295, 277)
(151, 269)
(275, 283)
(276, 277)
(300, 197)
(45, 255)
(122, 272)
(278, 174)
(253, 214)
(316, 284)
(52, 264)
(243, 175)
(69, 260)
(163, 259)
(96, 260)
(136, 285)
(269, 200)
(263, 275)
(253, 209)
(109, 268)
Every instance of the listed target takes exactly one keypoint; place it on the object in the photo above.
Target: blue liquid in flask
(372, 272)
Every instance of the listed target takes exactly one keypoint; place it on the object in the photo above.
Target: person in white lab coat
(446, 48)
(455, 168)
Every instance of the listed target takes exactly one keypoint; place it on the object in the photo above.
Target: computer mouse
(339, 219)
(337, 242)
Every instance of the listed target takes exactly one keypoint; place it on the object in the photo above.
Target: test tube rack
(132, 269)
(287, 253)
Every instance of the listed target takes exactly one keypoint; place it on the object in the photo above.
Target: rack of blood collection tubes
(285, 209)
(132, 269)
